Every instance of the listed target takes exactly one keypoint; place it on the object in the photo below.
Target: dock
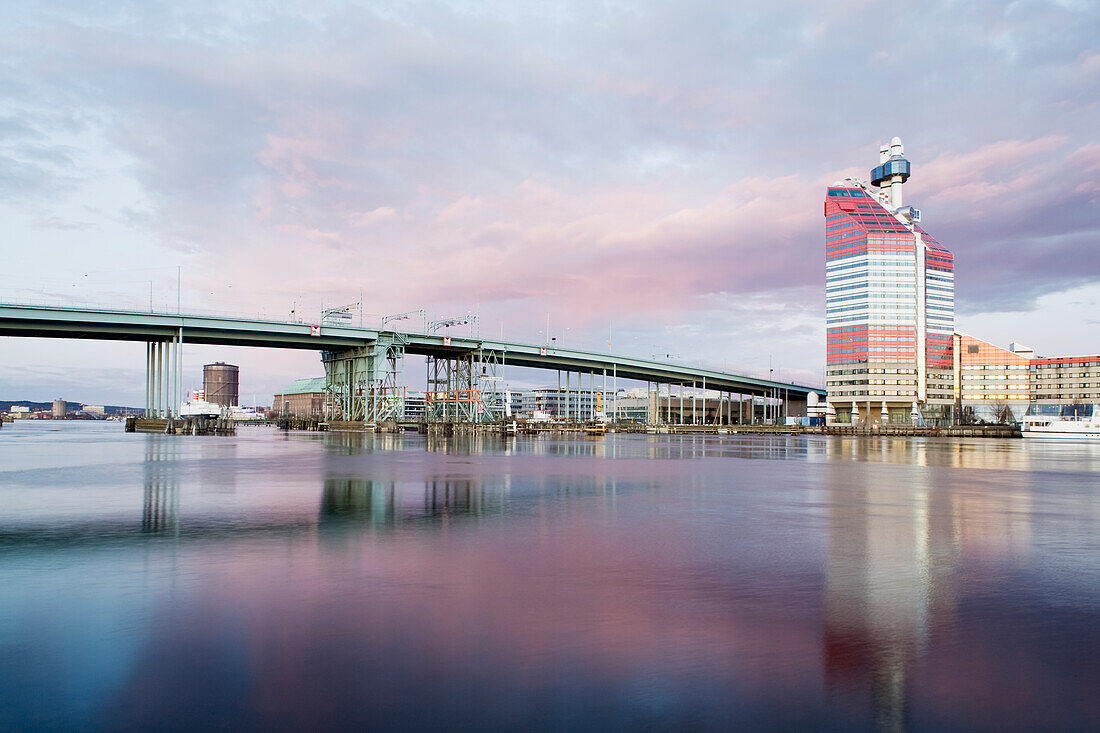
(181, 425)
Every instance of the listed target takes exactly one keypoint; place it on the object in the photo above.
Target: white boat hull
(1062, 434)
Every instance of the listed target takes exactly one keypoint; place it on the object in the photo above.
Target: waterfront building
(584, 403)
(415, 407)
(991, 383)
(302, 398)
(1064, 381)
(889, 302)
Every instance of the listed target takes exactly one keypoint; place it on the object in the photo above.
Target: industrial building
(221, 383)
(302, 398)
(889, 302)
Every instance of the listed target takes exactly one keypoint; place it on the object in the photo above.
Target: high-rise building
(889, 303)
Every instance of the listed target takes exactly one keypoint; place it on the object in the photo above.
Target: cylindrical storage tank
(60, 408)
(221, 382)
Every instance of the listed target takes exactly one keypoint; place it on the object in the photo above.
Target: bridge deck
(123, 325)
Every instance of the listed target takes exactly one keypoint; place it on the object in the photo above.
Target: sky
(647, 177)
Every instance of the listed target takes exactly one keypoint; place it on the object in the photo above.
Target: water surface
(305, 581)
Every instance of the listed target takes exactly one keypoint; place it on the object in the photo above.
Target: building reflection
(1012, 455)
(160, 511)
(894, 555)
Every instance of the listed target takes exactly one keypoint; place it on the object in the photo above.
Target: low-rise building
(1000, 385)
(572, 403)
(1065, 380)
(302, 398)
(991, 383)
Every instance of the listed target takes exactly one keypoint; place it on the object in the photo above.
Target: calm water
(306, 581)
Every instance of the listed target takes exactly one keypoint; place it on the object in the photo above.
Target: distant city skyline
(647, 174)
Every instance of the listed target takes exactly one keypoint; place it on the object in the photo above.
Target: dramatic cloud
(617, 161)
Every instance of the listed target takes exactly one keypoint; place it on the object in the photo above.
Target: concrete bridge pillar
(164, 376)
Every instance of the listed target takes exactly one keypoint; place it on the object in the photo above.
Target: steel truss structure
(464, 389)
(361, 383)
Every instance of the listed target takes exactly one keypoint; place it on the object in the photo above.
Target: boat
(200, 408)
(1074, 426)
(243, 414)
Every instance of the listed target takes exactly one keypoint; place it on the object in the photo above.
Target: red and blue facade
(889, 293)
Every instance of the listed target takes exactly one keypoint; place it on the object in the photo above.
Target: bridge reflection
(160, 510)
(390, 503)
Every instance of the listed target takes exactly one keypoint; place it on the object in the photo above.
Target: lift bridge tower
(463, 388)
(361, 385)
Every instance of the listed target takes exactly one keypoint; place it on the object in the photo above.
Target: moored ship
(1076, 425)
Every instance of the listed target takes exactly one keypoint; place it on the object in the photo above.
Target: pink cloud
(989, 172)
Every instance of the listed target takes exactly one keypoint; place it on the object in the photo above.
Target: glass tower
(889, 303)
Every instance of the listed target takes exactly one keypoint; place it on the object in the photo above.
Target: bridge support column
(148, 382)
(158, 358)
(615, 388)
(173, 376)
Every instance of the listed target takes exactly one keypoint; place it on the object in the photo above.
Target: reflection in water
(384, 503)
(387, 503)
(218, 466)
(877, 586)
(894, 545)
(954, 453)
(160, 512)
(689, 582)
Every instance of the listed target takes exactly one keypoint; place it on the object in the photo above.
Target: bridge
(363, 365)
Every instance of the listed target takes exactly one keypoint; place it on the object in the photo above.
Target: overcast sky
(649, 173)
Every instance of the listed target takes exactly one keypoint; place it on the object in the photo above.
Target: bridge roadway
(123, 325)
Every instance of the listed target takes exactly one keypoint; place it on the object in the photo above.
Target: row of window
(1066, 365)
(993, 367)
(875, 393)
(1058, 374)
(870, 370)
